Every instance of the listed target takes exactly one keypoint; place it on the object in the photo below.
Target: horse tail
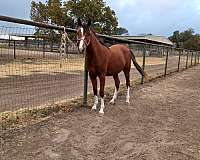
(142, 72)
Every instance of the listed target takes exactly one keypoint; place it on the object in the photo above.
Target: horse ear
(79, 21)
(89, 22)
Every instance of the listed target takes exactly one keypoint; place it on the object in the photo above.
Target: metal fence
(33, 74)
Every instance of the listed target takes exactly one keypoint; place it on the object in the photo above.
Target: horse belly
(115, 67)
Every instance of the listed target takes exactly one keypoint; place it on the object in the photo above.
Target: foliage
(186, 39)
(66, 13)
(120, 31)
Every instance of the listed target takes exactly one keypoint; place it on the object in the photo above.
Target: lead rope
(63, 45)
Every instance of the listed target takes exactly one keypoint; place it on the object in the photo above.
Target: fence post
(191, 58)
(187, 60)
(9, 41)
(166, 62)
(14, 50)
(43, 47)
(195, 62)
(179, 60)
(198, 56)
(143, 65)
(85, 90)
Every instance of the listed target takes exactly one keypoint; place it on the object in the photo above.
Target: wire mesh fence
(33, 72)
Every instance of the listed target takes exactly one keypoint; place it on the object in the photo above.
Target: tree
(55, 12)
(104, 17)
(39, 12)
(193, 43)
(120, 31)
(186, 39)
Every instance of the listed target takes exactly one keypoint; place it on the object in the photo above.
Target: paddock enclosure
(34, 73)
(161, 123)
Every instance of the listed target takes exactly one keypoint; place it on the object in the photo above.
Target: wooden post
(191, 58)
(195, 61)
(187, 60)
(143, 65)
(179, 60)
(43, 44)
(14, 50)
(166, 62)
(85, 89)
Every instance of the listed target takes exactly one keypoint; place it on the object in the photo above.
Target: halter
(84, 41)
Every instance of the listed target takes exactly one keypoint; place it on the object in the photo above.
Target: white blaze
(81, 44)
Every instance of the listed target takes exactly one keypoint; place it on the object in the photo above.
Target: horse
(104, 61)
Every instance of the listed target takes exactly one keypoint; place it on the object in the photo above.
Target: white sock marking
(128, 95)
(102, 106)
(114, 96)
(95, 103)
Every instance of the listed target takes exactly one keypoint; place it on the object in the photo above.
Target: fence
(33, 74)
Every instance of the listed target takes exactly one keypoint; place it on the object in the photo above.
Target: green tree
(55, 12)
(104, 17)
(39, 12)
(186, 39)
(192, 43)
(120, 31)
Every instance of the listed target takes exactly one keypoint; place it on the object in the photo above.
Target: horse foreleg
(117, 82)
(102, 85)
(94, 85)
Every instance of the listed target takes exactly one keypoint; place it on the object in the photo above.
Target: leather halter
(85, 42)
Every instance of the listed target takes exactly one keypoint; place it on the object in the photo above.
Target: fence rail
(32, 73)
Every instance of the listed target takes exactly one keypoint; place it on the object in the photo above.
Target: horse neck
(94, 47)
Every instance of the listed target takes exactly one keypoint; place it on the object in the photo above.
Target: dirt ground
(161, 123)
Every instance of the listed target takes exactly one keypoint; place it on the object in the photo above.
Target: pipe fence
(33, 73)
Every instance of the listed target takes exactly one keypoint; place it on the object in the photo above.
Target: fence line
(31, 74)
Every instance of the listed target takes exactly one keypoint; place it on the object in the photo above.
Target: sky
(158, 17)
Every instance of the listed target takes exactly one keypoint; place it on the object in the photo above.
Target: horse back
(120, 58)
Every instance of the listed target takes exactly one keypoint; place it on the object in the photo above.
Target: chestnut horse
(103, 61)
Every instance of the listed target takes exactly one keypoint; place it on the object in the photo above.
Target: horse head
(83, 34)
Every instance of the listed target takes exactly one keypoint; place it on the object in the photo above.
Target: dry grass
(52, 67)
(27, 116)
(29, 67)
(151, 60)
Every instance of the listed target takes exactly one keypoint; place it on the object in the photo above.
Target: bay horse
(103, 61)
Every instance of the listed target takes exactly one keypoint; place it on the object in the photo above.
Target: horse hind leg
(127, 76)
(117, 83)
(102, 85)
(94, 85)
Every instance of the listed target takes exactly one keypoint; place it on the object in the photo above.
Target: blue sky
(159, 17)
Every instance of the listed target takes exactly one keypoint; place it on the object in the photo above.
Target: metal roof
(153, 38)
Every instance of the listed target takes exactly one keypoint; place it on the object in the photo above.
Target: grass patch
(24, 117)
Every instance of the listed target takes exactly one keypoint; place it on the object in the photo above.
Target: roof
(151, 38)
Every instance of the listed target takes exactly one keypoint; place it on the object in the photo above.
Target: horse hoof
(112, 102)
(94, 108)
(127, 102)
(101, 112)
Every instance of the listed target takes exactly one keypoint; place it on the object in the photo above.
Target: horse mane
(95, 34)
